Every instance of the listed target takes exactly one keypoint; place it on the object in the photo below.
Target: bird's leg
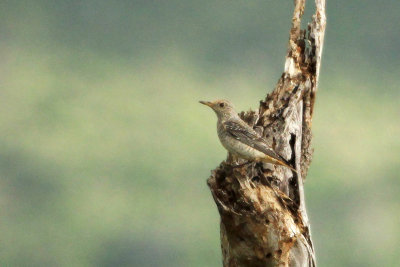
(235, 159)
(253, 171)
(241, 165)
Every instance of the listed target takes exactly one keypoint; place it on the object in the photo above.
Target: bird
(240, 139)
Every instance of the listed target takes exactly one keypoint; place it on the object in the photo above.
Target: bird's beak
(207, 103)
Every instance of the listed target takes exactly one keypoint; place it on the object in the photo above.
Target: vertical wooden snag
(263, 215)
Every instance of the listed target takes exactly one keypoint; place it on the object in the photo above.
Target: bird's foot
(253, 170)
(241, 165)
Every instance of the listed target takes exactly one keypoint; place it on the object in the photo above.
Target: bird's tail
(281, 162)
(286, 164)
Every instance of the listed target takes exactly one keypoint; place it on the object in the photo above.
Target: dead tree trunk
(262, 207)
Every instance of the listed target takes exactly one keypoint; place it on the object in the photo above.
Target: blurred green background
(105, 150)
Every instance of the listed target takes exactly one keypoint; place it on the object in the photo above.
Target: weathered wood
(262, 207)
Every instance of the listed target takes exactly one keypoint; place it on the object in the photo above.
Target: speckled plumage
(239, 138)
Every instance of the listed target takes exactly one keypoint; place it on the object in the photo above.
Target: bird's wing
(248, 136)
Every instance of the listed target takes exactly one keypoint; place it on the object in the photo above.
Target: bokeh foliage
(105, 150)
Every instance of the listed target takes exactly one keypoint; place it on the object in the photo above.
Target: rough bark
(262, 207)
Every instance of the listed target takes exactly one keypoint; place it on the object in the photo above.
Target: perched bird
(239, 138)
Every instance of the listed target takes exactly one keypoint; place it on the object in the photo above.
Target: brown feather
(245, 134)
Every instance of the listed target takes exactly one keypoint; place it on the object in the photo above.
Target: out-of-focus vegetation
(105, 150)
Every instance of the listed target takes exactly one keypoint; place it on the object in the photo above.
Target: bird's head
(223, 108)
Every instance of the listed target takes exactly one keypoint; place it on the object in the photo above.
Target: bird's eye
(222, 105)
